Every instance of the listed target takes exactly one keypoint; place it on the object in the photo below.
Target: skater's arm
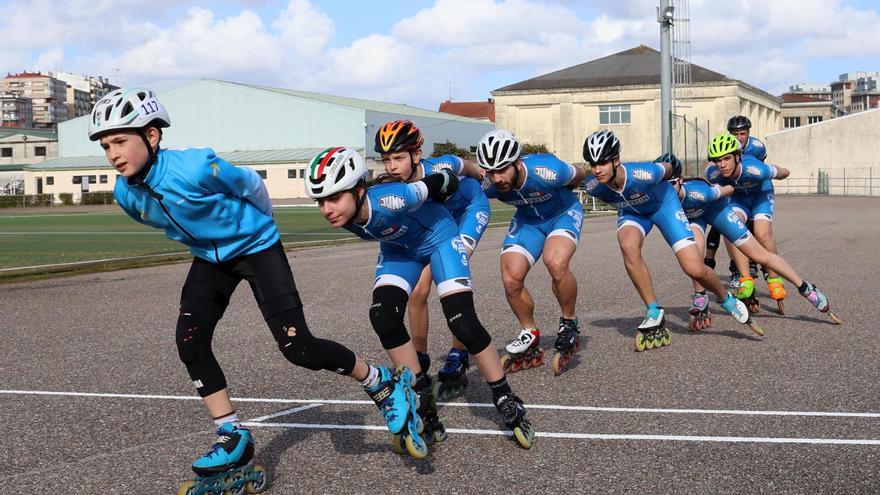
(724, 191)
(241, 182)
(470, 169)
(578, 178)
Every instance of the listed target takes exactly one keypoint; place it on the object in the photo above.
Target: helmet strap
(412, 163)
(614, 169)
(142, 174)
(359, 199)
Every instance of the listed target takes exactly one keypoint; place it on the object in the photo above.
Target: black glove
(441, 185)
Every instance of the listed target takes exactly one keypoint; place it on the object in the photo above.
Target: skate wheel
(515, 365)
(538, 361)
(558, 364)
(524, 435)
(834, 318)
(439, 435)
(259, 480)
(435, 389)
(416, 447)
(667, 338)
(525, 363)
(693, 324)
(505, 362)
(397, 444)
(640, 342)
(780, 306)
(755, 328)
(188, 487)
(236, 483)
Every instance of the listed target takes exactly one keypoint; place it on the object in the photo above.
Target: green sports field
(35, 239)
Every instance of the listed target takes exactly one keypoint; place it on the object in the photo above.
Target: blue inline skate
(738, 310)
(398, 403)
(452, 379)
(653, 333)
(227, 468)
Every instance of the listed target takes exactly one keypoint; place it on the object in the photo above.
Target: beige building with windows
(804, 109)
(621, 92)
(27, 146)
(17, 111)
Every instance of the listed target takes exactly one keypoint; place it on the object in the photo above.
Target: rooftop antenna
(450, 90)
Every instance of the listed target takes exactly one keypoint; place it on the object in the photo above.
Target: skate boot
(700, 317)
(452, 379)
(753, 269)
(820, 301)
(777, 292)
(568, 341)
(227, 467)
(424, 361)
(434, 429)
(746, 294)
(513, 412)
(653, 333)
(398, 403)
(738, 310)
(735, 276)
(524, 352)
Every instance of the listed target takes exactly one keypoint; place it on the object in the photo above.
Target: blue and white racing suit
(468, 205)
(753, 194)
(545, 206)
(703, 205)
(646, 200)
(413, 232)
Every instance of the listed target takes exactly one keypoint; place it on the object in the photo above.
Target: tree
(531, 149)
(448, 148)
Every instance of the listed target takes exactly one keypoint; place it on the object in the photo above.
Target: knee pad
(710, 262)
(301, 348)
(386, 315)
(462, 320)
(713, 239)
(194, 331)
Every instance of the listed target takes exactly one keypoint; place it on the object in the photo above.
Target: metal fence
(844, 181)
(690, 141)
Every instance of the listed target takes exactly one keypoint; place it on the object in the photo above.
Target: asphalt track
(720, 411)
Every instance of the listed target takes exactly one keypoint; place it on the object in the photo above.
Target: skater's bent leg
(754, 250)
(740, 259)
(692, 264)
(558, 251)
(514, 268)
(386, 316)
(301, 348)
(764, 234)
(631, 239)
(218, 403)
(701, 243)
(417, 307)
(461, 316)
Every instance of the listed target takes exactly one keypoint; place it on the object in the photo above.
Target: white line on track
(552, 407)
(589, 436)
(285, 412)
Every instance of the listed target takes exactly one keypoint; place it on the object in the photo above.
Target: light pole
(664, 17)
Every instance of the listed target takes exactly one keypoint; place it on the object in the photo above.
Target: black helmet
(738, 123)
(601, 146)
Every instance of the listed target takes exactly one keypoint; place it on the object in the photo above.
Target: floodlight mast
(664, 16)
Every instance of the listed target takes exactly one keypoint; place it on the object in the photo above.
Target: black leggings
(205, 297)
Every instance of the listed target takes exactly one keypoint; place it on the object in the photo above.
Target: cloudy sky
(414, 51)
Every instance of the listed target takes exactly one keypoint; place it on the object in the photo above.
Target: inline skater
(753, 200)
(414, 230)
(224, 215)
(707, 205)
(548, 221)
(400, 145)
(740, 127)
(643, 199)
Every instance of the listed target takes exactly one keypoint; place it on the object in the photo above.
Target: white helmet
(129, 108)
(498, 149)
(334, 170)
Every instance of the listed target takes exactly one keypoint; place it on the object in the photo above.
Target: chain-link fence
(690, 141)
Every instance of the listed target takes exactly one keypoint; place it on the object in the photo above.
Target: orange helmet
(399, 135)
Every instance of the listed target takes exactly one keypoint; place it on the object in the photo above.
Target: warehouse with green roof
(274, 131)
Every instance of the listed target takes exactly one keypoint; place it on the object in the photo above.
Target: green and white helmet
(334, 170)
(127, 109)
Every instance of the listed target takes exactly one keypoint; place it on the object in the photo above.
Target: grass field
(35, 239)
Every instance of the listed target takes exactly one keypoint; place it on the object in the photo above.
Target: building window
(77, 179)
(261, 173)
(291, 173)
(50, 181)
(92, 179)
(302, 173)
(614, 114)
(814, 119)
(790, 122)
(39, 151)
(103, 179)
(6, 152)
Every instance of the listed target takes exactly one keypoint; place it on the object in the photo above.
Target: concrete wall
(845, 147)
(561, 119)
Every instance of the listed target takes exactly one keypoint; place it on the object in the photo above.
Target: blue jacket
(217, 209)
